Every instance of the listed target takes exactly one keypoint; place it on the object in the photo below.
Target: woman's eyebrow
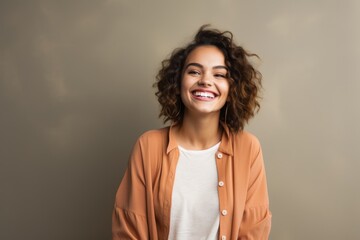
(194, 64)
(201, 66)
(220, 67)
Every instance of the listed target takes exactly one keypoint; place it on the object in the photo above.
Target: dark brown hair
(244, 80)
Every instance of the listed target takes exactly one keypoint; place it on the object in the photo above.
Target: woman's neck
(196, 133)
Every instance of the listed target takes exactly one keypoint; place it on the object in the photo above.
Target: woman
(203, 177)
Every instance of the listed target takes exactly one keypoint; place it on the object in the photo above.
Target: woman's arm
(256, 222)
(129, 219)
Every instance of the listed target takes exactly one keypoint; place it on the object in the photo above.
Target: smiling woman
(203, 177)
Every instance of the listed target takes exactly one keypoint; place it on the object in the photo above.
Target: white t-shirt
(195, 201)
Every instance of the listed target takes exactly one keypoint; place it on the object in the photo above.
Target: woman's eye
(193, 72)
(219, 75)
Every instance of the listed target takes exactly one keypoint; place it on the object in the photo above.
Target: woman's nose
(205, 80)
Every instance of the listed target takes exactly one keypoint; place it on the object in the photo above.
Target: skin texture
(204, 73)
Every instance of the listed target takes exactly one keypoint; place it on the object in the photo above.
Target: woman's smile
(204, 95)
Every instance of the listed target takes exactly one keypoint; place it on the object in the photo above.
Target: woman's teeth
(204, 94)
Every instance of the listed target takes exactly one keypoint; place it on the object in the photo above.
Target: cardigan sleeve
(129, 219)
(256, 221)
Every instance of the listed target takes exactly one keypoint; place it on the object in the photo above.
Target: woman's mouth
(204, 95)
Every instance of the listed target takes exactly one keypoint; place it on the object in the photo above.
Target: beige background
(75, 92)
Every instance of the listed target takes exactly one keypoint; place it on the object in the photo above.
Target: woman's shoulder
(155, 136)
(245, 137)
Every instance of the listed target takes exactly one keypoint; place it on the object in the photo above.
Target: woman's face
(204, 84)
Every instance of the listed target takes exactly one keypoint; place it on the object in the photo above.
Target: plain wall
(76, 91)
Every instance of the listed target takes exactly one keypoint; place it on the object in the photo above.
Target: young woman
(203, 177)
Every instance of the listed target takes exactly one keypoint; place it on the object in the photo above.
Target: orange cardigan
(143, 200)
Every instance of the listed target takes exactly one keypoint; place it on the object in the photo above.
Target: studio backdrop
(76, 91)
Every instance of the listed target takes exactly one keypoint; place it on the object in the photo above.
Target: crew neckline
(216, 146)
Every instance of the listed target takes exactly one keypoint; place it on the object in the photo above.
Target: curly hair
(244, 80)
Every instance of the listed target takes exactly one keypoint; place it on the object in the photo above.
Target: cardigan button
(224, 212)
(223, 237)
(221, 183)
(219, 155)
